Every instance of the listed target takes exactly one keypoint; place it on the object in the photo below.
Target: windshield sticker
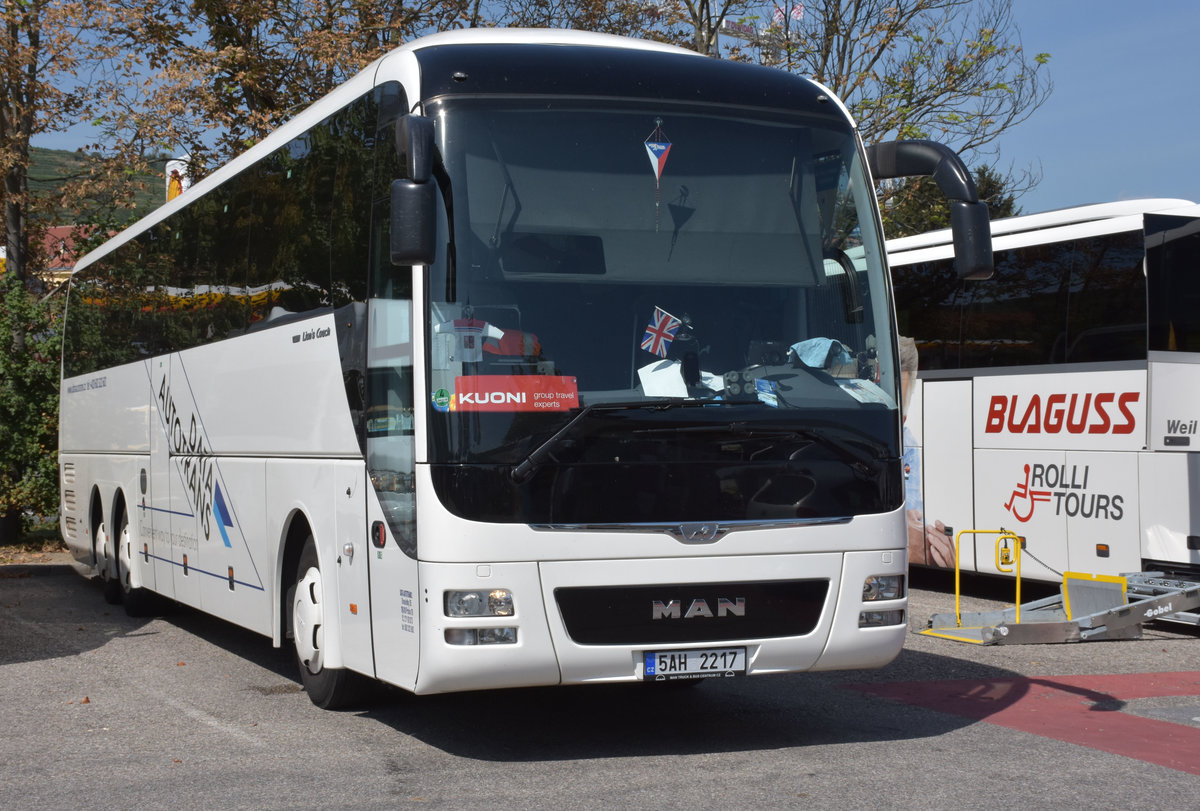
(657, 147)
(660, 332)
(515, 393)
(441, 400)
(767, 392)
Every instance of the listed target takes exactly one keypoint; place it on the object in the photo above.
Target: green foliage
(918, 205)
(29, 351)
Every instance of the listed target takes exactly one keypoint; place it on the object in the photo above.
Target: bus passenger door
(391, 491)
(946, 466)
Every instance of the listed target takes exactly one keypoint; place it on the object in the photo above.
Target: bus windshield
(641, 253)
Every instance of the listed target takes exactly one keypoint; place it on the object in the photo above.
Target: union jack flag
(660, 332)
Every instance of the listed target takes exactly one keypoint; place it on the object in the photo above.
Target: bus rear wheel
(106, 566)
(328, 688)
(138, 602)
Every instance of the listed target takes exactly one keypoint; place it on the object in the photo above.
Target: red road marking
(1083, 710)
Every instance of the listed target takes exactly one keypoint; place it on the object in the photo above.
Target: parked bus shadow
(647, 720)
(51, 612)
(921, 694)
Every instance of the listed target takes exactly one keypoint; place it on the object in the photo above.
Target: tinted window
(286, 238)
(1080, 301)
(1172, 259)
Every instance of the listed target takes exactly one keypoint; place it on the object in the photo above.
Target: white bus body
(484, 469)
(1060, 399)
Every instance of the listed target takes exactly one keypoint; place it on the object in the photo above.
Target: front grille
(626, 615)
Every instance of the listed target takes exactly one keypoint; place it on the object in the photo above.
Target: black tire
(138, 601)
(328, 688)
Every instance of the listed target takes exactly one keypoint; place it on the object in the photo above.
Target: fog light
(461, 636)
(883, 587)
(493, 603)
(877, 619)
(481, 636)
(497, 636)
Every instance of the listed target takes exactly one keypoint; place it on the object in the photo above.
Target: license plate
(707, 663)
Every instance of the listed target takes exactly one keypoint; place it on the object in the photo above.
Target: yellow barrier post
(1001, 565)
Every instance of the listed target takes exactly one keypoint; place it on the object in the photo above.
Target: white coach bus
(522, 358)
(1059, 399)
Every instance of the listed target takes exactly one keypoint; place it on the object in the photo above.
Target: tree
(920, 206)
(39, 60)
(28, 406)
(222, 74)
(951, 70)
(621, 17)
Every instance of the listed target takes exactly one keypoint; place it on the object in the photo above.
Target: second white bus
(1059, 399)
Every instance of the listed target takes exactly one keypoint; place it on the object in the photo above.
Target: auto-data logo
(196, 465)
(1065, 487)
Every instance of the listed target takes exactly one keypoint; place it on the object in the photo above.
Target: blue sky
(1124, 119)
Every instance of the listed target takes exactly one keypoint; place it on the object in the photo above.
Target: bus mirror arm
(969, 219)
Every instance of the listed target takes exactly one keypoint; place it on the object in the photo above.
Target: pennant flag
(658, 156)
(657, 147)
(660, 332)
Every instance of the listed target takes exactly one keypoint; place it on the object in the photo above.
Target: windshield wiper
(525, 469)
(861, 462)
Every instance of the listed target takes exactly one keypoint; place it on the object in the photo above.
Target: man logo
(698, 608)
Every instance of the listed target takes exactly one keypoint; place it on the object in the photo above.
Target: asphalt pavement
(185, 711)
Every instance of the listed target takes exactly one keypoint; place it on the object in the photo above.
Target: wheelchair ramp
(1088, 607)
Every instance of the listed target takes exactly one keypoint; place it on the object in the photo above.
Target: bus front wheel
(328, 688)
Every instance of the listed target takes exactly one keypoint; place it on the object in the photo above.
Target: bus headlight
(491, 603)
(883, 587)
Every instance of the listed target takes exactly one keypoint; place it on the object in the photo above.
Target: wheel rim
(125, 559)
(102, 554)
(308, 620)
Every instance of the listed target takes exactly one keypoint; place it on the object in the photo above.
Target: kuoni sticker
(516, 393)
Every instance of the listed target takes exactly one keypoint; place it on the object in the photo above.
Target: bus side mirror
(414, 222)
(968, 216)
(972, 231)
(414, 197)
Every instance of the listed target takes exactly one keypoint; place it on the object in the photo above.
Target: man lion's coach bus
(1059, 399)
(522, 358)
